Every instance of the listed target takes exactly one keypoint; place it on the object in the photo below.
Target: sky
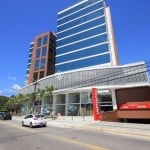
(22, 20)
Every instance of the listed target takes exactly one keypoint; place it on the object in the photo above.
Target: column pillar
(114, 101)
(66, 104)
(54, 104)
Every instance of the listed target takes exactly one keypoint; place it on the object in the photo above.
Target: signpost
(96, 109)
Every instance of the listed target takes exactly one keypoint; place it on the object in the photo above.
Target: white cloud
(1, 92)
(7, 92)
(10, 91)
(11, 78)
(16, 87)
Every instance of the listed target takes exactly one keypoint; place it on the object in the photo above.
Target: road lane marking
(134, 134)
(18, 127)
(83, 144)
(128, 133)
(67, 140)
(90, 128)
(145, 136)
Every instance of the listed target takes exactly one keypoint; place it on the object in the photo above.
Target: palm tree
(49, 92)
(12, 104)
(18, 102)
(40, 93)
(31, 100)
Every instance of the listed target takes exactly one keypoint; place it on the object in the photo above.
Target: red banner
(135, 105)
(96, 110)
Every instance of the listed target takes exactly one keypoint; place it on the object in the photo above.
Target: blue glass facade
(82, 38)
(29, 63)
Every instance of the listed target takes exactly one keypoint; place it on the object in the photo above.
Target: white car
(34, 120)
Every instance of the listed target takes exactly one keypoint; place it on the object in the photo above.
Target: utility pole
(33, 105)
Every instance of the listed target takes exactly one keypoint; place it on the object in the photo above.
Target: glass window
(30, 55)
(29, 61)
(73, 109)
(36, 65)
(53, 42)
(31, 45)
(82, 27)
(105, 102)
(44, 50)
(82, 13)
(29, 65)
(39, 41)
(77, 8)
(35, 76)
(84, 53)
(82, 44)
(102, 59)
(42, 65)
(79, 21)
(38, 53)
(74, 98)
(41, 74)
(31, 49)
(27, 72)
(45, 39)
(83, 35)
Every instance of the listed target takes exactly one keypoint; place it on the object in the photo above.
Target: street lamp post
(39, 103)
(35, 86)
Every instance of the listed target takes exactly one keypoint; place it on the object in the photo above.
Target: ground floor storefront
(73, 103)
(116, 85)
(121, 104)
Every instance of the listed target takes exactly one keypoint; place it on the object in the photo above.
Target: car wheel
(31, 125)
(45, 125)
(22, 123)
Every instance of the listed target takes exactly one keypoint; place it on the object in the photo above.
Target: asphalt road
(14, 136)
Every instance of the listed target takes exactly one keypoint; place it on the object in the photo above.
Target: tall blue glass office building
(85, 36)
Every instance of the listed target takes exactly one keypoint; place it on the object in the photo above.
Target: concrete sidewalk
(130, 129)
(142, 130)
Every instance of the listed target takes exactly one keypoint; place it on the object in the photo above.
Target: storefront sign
(96, 109)
(135, 105)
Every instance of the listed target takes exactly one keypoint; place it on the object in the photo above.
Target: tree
(49, 90)
(3, 101)
(40, 93)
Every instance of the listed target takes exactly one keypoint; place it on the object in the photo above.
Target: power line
(114, 76)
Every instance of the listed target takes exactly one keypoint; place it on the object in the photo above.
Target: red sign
(135, 105)
(96, 110)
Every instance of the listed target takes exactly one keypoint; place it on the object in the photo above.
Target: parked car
(34, 120)
(5, 116)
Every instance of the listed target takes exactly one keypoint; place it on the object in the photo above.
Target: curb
(140, 130)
